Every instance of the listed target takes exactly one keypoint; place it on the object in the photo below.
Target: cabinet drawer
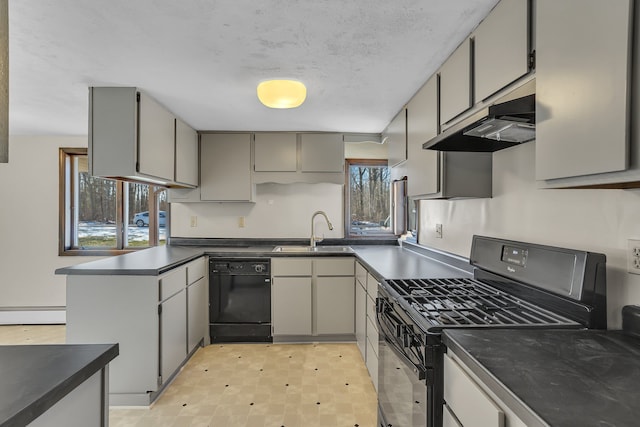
(172, 283)
(335, 266)
(466, 400)
(371, 310)
(372, 286)
(291, 266)
(372, 334)
(196, 270)
(361, 274)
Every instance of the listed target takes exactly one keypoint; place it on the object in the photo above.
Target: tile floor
(262, 385)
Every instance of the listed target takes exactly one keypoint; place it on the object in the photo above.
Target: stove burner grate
(469, 303)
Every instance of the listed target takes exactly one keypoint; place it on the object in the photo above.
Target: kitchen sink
(309, 249)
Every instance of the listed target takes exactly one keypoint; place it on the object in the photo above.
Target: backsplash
(280, 211)
(592, 220)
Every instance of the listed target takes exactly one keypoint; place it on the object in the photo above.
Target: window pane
(95, 217)
(138, 215)
(369, 200)
(162, 220)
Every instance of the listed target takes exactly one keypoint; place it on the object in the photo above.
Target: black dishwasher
(240, 300)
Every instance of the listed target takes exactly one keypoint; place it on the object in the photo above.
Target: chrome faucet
(315, 239)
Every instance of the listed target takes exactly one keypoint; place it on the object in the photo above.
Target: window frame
(347, 199)
(66, 225)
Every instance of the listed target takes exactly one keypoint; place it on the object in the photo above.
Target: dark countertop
(36, 377)
(567, 377)
(388, 261)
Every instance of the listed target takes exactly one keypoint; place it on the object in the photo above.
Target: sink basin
(303, 249)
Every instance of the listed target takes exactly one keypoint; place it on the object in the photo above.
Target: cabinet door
(396, 135)
(186, 154)
(173, 334)
(467, 400)
(275, 152)
(495, 67)
(455, 83)
(156, 143)
(582, 84)
(322, 152)
(196, 313)
(372, 363)
(335, 303)
(291, 306)
(361, 318)
(225, 167)
(422, 125)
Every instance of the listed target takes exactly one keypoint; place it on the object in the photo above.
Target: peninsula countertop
(36, 377)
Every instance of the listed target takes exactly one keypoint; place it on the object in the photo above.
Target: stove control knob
(259, 268)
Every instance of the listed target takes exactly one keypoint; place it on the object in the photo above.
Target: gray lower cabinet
(85, 406)
(197, 313)
(583, 63)
(361, 316)
(147, 316)
(291, 310)
(173, 339)
(335, 302)
(366, 322)
(312, 296)
(469, 402)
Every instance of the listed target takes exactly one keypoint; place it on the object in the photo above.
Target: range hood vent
(492, 128)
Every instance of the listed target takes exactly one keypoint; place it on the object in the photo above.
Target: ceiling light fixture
(282, 93)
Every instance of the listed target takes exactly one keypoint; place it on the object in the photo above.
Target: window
(103, 216)
(367, 201)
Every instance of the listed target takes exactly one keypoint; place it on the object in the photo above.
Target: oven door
(402, 387)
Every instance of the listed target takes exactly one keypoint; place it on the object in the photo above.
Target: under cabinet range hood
(492, 128)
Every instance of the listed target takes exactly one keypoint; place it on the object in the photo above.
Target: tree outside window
(368, 201)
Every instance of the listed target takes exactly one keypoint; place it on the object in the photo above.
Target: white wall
(592, 220)
(279, 211)
(29, 224)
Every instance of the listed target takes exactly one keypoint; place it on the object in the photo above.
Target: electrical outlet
(633, 256)
(194, 221)
(439, 231)
(241, 222)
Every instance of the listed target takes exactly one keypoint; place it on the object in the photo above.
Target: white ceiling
(361, 60)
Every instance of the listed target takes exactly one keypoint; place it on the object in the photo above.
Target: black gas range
(514, 285)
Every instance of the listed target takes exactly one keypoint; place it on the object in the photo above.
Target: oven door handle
(419, 370)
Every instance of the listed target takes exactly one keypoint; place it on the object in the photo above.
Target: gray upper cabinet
(455, 83)
(396, 137)
(225, 167)
(422, 125)
(156, 139)
(322, 152)
(501, 47)
(132, 137)
(186, 154)
(582, 88)
(275, 152)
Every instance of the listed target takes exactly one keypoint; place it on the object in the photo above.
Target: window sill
(98, 252)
